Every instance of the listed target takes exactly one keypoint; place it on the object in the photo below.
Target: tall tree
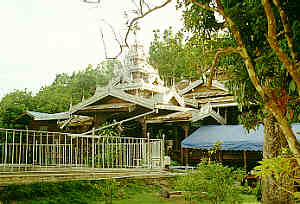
(14, 104)
(268, 60)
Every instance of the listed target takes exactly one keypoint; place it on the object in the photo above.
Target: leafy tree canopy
(13, 105)
(180, 56)
(261, 54)
(250, 20)
(56, 97)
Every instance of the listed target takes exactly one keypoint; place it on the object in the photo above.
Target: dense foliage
(66, 89)
(250, 20)
(174, 58)
(180, 56)
(283, 169)
(215, 180)
(13, 105)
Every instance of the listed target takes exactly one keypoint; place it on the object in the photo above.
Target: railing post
(13, 148)
(20, 150)
(27, 143)
(93, 148)
(40, 148)
(6, 155)
(71, 151)
(149, 151)
(47, 149)
(65, 151)
(162, 149)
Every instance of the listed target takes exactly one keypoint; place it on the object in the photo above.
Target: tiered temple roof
(137, 88)
(138, 84)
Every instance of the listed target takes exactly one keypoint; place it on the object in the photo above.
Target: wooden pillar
(144, 128)
(176, 138)
(182, 156)
(220, 156)
(143, 123)
(245, 160)
(186, 130)
(184, 153)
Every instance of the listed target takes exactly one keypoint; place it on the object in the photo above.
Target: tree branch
(104, 44)
(218, 54)
(92, 2)
(243, 50)
(293, 68)
(142, 16)
(141, 7)
(203, 6)
(287, 29)
(115, 38)
(285, 127)
(241, 45)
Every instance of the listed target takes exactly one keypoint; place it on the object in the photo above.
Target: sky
(42, 38)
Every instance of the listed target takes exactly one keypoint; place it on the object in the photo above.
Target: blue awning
(233, 137)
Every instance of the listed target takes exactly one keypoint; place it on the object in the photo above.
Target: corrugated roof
(46, 116)
(234, 137)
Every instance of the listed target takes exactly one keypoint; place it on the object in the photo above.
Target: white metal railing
(27, 148)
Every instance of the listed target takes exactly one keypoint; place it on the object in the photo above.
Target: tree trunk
(274, 141)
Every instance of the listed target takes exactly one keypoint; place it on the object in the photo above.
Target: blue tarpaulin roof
(233, 137)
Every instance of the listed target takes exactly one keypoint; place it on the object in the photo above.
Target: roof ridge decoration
(173, 94)
(112, 91)
(97, 96)
(219, 85)
(193, 85)
(206, 111)
(198, 82)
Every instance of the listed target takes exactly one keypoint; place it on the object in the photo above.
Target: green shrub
(214, 180)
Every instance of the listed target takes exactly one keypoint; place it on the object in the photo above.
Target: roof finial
(82, 95)
(173, 83)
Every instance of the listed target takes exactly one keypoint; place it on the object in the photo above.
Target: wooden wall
(44, 125)
(233, 158)
(52, 126)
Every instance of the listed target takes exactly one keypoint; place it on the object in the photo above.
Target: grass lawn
(130, 191)
(154, 198)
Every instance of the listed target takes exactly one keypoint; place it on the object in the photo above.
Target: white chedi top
(136, 69)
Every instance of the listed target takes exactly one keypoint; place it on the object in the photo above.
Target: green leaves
(13, 105)
(292, 86)
(280, 168)
(56, 97)
(214, 179)
(250, 20)
(177, 56)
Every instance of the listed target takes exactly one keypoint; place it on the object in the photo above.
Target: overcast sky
(41, 38)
